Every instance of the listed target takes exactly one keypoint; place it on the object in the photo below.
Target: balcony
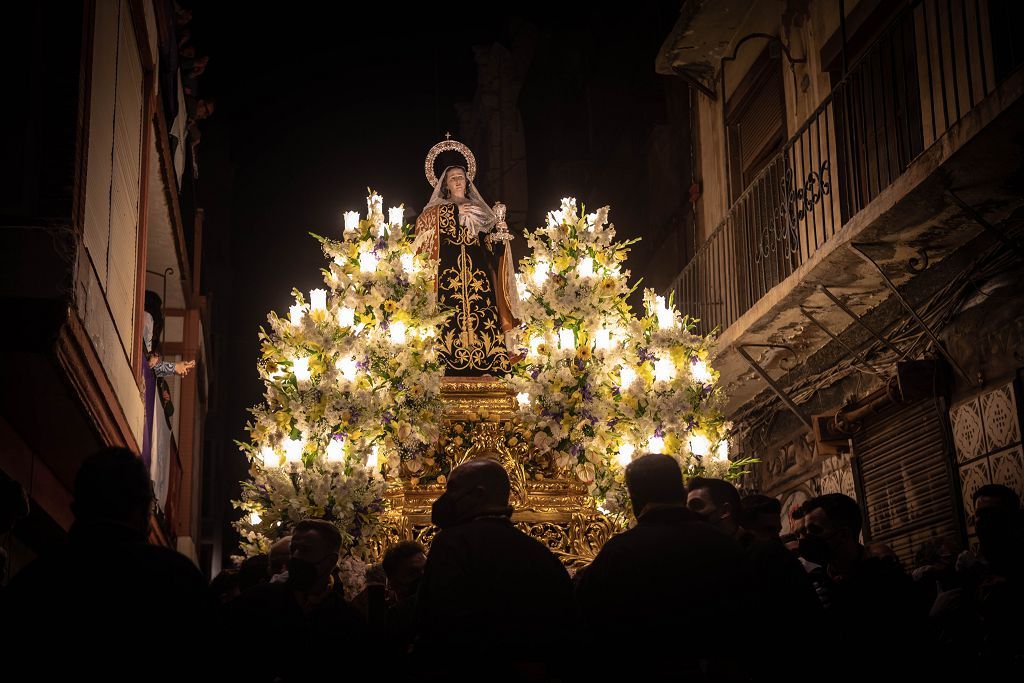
(901, 159)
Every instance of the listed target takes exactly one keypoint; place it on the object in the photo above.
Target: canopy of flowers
(352, 388)
(600, 385)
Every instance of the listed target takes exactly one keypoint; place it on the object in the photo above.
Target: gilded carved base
(549, 504)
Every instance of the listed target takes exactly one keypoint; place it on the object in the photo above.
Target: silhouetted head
(315, 550)
(113, 485)
(762, 516)
(654, 479)
(475, 488)
(998, 522)
(831, 528)
(403, 564)
(717, 501)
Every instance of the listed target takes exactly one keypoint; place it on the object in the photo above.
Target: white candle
(347, 367)
(346, 316)
(655, 444)
(397, 331)
(701, 373)
(585, 268)
(300, 366)
(317, 300)
(699, 445)
(396, 215)
(603, 339)
(293, 449)
(540, 272)
(367, 262)
(371, 461)
(723, 450)
(626, 451)
(296, 313)
(626, 377)
(270, 457)
(664, 370)
(566, 339)
(523, 398)
(408, 263)
(351, 221)
(666, 319)
(335, 451)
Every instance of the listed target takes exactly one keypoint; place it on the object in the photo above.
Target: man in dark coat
(667, 593)
(108, 605)
(489, 591)
(307, 616)
(779, 588)
(872, 604)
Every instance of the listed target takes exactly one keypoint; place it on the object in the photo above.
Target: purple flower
(659, 432)
(644, 355)
(535, 373)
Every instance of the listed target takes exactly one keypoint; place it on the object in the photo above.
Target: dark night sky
(312, 107)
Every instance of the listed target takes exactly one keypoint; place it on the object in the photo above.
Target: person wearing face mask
(872, 601)
(307, 611)
(779, 584)
(488, 589)
(109, 593)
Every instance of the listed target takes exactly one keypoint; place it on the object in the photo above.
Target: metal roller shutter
(904, 469)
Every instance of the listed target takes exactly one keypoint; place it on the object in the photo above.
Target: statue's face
(455, 181)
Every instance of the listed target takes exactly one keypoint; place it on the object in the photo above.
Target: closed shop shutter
(904, 470)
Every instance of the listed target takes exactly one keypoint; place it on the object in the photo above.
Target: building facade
(859, 220)
(97, 215)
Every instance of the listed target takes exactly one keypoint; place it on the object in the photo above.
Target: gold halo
(449, 145)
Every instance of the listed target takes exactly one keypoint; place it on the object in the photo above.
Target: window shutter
(124, 191)
(101, 135)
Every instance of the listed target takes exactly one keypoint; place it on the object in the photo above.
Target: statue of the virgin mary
(475, 275)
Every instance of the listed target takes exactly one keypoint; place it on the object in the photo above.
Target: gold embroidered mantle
(472, 341)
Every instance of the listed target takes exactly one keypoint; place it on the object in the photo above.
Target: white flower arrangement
(599, 385)
(352, 390)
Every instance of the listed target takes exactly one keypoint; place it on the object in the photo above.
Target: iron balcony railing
(932, 65)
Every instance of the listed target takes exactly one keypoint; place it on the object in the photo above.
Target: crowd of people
(700, 587)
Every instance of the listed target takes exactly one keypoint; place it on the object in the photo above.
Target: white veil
(440, 195)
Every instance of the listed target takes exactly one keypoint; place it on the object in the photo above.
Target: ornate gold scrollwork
(549, 504)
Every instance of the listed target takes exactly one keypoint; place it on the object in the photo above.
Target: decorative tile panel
(1002, 426)
(968, 432)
